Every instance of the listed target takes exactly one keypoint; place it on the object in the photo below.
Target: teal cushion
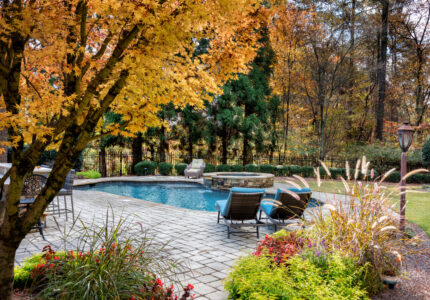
(223, 207)
(220, 205)
(267, 206)
(294, 190)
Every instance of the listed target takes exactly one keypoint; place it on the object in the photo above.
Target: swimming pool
(187, 195)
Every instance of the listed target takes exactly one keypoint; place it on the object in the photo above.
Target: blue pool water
(186, 195)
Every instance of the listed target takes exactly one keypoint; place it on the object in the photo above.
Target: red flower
(190, 286)
(159, 282)
(133, 297)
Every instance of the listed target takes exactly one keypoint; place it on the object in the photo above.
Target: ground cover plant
(90, 174)
(110, 261)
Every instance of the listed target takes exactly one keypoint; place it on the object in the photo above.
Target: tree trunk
(7, 260)
(163, 145)
(190, 145)
(102, 164)
(224, 144)
(382, 67)
(136, 149)
(245, 159)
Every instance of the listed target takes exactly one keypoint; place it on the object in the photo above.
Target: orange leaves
(77, 51)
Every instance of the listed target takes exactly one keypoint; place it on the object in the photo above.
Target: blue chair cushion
(27, 201)
(222, 205)
(294, 190)
(267, 206)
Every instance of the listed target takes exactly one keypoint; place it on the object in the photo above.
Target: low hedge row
(304, 171)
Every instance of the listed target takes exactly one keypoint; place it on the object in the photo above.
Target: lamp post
(405, 133)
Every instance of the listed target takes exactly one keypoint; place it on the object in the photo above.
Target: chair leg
(39, 224)
(218, 216)
(228, 232)
(73, 207)
(58, 206)
(65, 208)
(258, 232)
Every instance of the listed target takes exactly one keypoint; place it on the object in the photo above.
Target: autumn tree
(64, 64)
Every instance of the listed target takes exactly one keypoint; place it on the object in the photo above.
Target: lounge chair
(285, 207)
(195, 168)
(241, 205)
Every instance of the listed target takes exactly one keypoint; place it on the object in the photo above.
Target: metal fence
(119, 163)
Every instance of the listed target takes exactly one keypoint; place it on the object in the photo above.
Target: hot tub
(227, 180)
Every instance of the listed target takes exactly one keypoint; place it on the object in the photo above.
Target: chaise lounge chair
(195, 168)
(286, 206)
(241, 205)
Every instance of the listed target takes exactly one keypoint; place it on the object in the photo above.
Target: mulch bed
(416, 283)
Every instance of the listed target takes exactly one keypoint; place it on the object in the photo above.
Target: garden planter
(390, 281)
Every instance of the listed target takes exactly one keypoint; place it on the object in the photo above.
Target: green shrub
(251, 168)
(393, 177)
(425, 152)
(111, 262)
(267, 169)
(165, 168)
(293, 170)
(223, 168)
(22, 274)
(280, 170)
(150, 167)
(90, 174)
(209, 168)
(256, 278)
(306, 171)
(237, 168)
(180, 168)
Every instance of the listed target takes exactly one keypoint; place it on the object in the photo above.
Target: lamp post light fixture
(405, 133)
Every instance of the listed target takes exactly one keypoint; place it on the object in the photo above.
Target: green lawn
(418, 201)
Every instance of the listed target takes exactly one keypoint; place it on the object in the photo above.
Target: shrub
(280, 246)
(280, 170)
(251, 168)
(394, 177)
(256, 278)
(209, 168)
(165, 168)
(237, 168)
(306, 171)
(149, 165)
(223, 168)
(90, 174)
(111, 261)
(180, 168)
(425, 152)
(363, 229)
(267, 169)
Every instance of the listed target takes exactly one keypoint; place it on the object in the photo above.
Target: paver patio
(194, 236)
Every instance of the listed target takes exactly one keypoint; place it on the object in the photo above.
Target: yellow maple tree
(63, 64)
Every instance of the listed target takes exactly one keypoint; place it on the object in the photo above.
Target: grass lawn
(417, 207)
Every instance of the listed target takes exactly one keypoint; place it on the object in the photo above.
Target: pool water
(187, 195)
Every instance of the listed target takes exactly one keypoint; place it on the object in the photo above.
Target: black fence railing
(119, 163)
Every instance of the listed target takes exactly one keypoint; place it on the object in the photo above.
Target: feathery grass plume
(325, 168)
(372, 173)
(297, 197)
(414, 172)
(363, 165)
(357, 166)
(302, 180)
(293, 184)
(317, 173)
(329, 207)
(388, 228)
(388, 173)
(348, 171)
(345, 184)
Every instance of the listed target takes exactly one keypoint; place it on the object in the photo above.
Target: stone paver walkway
(193, 236)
